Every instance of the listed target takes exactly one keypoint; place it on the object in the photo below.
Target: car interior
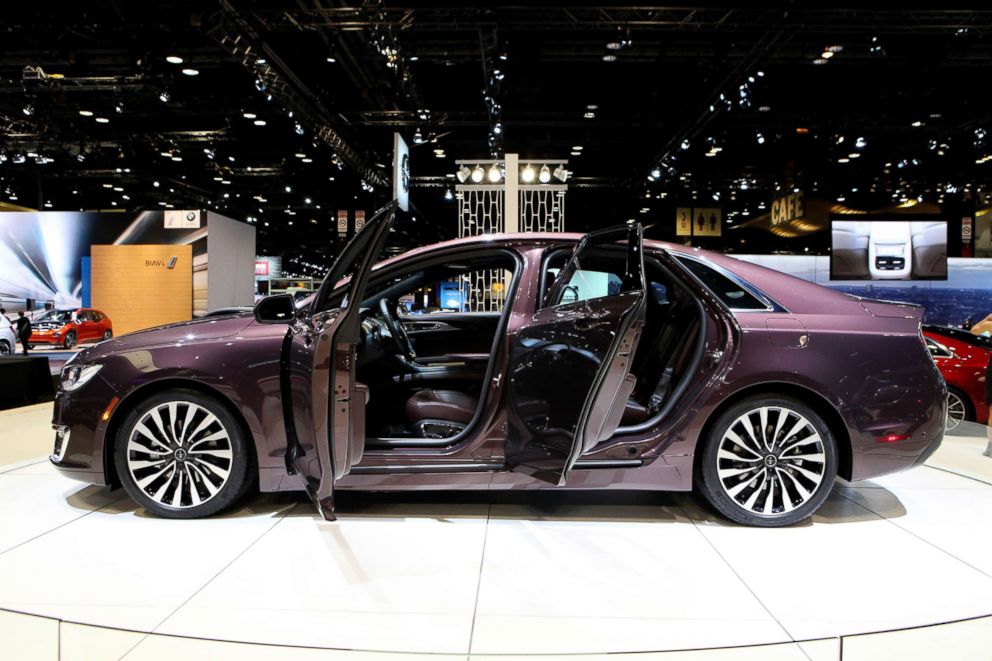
(888, 250)
(426, 369)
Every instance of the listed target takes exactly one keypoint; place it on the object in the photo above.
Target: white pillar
(511, 195)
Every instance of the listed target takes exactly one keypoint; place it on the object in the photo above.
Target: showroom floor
(86, 575)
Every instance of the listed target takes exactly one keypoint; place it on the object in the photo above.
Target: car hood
(183, 332)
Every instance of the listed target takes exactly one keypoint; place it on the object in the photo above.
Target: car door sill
(472, 467)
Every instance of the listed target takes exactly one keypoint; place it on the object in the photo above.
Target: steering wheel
(387, 309)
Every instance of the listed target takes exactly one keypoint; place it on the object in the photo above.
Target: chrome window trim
(771, 305)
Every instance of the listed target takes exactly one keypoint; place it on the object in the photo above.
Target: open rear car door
(570, 362)
(323, 405)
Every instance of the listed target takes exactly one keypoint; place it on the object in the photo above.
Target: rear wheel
(4, 348)
(768, 461)
(182, 455)
(107, 334)
(70, 340)
(958, 409)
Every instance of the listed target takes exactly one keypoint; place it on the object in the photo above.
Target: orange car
(67, 328)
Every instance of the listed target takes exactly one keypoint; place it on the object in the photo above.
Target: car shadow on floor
(843, 506)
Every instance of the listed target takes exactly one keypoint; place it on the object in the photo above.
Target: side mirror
(278, 309)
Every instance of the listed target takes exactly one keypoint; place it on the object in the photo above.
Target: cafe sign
(788, 208)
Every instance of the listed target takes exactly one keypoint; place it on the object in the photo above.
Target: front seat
(440, 413)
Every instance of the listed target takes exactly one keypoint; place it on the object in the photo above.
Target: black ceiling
(910, 82)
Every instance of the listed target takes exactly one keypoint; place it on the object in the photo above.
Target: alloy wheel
(4, 349)
(771, 460)
(957, 411)
(179, 454)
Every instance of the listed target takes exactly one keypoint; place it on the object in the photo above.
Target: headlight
(76, 376)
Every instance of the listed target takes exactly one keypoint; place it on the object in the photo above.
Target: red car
(67, 328)
(962, 358)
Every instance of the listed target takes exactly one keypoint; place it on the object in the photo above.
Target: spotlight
(28, 109)
(448, 195)
(119, 108)
(174, 59)
(860, 143)
(102, 120)
(463, 174)
(761, 139)
(561, 174)
(418, 137)
(609, 57)
(527, 175)
(478, 174)
(86, 113)
(298, 128)
(164, 96)
(545, 175)
(656, 173)
(189, 71)
(259, 122)
(249, 115)
(684, 145)
(494, 173)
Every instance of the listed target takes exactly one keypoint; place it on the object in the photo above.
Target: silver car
(8, 340)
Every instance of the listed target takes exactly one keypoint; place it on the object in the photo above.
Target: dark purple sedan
(536, 361)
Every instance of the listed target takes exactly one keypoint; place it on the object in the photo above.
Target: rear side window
(727, 290)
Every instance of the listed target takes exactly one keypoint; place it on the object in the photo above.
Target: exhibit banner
(401, 172)
(788, 208)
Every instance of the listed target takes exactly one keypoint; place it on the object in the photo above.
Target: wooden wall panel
(134, 286)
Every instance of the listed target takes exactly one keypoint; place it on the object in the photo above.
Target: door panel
(445, 333)
(569, 374)
(326, 406)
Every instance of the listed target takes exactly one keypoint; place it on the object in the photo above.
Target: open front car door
(570, 362)
(323, 405)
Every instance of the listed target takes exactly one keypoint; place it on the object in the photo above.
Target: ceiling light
(860, 143)
(527, 174)
(917, 124)
(478, 174)
(259, 122)
(820, 60)
(613, 45)
(561, 174)
(826, 55)
(164, 96)
(249, 115)
(656, 173)
(86, 113)
(174, 59)
(494, 173)
(102, 120)
(463, 174)
(306, 160)
(28, 110)
(177, 158)
(576, 153)
(577, 148)
(834, 49)
(854, 155)
(189, 71)
(589, 115)
(609, 57)
(448, 195)
(155, 184)
(331, 60)
(843, 160)
(545, 174)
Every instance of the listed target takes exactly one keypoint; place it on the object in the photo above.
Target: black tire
(965, 407)
(70, 340)
(203, 477)
(798, 456)
(5, 348)
(107, 334)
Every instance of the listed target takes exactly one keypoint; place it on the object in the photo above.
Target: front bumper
(80, 432)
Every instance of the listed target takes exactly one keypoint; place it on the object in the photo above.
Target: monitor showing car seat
(888, 250)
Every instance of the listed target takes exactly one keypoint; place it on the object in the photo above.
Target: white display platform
(523, 573)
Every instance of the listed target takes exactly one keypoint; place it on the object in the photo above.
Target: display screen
(888, 250)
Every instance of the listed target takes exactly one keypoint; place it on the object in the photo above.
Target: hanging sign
(966, 229)
(708, 221)
(359, 220)
(683, 221)
(342, 223)
(182, 219)
(788, 208)
(401, 172)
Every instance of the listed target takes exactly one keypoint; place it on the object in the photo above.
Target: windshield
(56, 315)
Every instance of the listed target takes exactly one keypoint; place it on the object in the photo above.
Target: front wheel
(182, 455)
(70, 340)
(4, 348)
(768, 461)
(107, 334)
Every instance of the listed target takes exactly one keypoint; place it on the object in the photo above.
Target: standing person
(23, 330)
